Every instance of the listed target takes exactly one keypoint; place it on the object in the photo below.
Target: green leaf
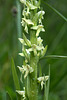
(59, 80)
(10, 93)
(57, 12)
(54, 56)
(8, 96)
(44, 51)
(15, 77)
(45, 91)
(4, 95)
(48, 83)
(58, 38)
(21, 40)
(46, 88)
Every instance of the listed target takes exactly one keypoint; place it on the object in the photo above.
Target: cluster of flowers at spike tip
(26, 21)
(25, 69)
(22, 93)
(38, 49)
(42, 80)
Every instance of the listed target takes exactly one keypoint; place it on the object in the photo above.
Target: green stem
(19, 29)
(32, 79)
(33, 64)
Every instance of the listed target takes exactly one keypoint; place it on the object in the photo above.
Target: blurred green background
(55, 37)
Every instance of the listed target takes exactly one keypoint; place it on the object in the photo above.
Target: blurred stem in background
(19, 29)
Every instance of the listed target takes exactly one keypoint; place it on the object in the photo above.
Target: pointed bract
(26, 40)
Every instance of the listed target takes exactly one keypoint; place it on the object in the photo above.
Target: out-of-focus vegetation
(55, 37)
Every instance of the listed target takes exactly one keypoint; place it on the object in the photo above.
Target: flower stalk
(32, 48)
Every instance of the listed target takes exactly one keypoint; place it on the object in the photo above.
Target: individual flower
(25, 69)
(25, 52)
(40, 16)
(23, 1)
(25, 22)
(28, 21)
(26, 12)
(28, 4)
(22, 41)
(31, 6)
(38, 28)
(25, 41)
(39, 41)
(21, 54)
(22, 93)
(35, 48)
(42, 80)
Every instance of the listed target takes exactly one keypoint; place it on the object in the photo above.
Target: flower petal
(20, 92)
(23, 1)
(21, 69)
(31, 6)
(28, 21)
(21, 54)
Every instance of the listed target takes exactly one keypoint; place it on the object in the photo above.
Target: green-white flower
(28, 21)
(39, 41)
(25, 22)
(22, 93)
(22, 41)
(28, 4)
(25, 54)
(26, 69)
(35, 48)
(21, 54)
(42, 80)
(40, 16)
(38, 28)
(23, 1)
(25, 41)
(26, 12)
